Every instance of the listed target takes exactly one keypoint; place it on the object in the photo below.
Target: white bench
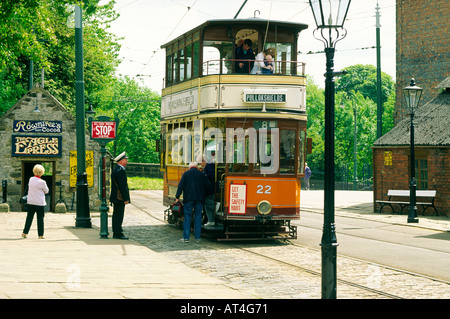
(405, 193)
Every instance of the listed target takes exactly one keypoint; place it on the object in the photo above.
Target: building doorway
(48, 177)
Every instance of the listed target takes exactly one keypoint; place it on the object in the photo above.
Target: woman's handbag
(23, 199)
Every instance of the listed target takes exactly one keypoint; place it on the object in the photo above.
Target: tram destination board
(269, 98)
(265, 96)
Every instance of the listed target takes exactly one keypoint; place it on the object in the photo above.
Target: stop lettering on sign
(104, 130)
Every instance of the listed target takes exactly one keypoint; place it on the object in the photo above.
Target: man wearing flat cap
(120, 195)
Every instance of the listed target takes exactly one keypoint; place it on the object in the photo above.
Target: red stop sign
(101, 129)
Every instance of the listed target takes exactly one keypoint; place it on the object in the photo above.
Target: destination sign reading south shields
(50, 146)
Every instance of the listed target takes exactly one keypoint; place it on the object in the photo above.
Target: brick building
(391, 153)
(423, 48)
(423, 53)
(39, 129)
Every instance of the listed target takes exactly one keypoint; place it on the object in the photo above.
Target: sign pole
(104, 131)
(103, 208)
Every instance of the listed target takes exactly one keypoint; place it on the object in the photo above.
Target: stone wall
(144, 170)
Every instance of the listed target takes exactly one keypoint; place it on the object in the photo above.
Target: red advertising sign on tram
(103, 130)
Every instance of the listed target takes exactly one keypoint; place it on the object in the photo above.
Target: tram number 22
(260, 189)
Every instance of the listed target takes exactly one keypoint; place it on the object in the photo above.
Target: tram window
(181, 62)
(169, 69)
(215, 54)
(301, 152)
(196, 59)
(210, 149)
(240, 156)
(175, 68)
(284, 54)
(287, 151)
(180, 144)
(169, 144)
(188, 62)
(214, 139)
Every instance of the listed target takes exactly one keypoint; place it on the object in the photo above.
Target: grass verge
(144, 183)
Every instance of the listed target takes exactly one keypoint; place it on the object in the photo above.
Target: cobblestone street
(252, 266)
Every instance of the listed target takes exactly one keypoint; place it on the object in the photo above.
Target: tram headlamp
(264, 207)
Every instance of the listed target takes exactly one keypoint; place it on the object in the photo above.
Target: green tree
(38, 31)
(315, 100)
(346, 105)
(138, 110)
(363, 79)
(354, 91)
(22, 28)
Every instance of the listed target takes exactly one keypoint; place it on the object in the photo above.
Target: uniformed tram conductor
(120, 195)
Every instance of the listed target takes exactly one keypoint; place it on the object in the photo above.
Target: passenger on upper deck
(269, 65)
(262, 63)
(244, 52)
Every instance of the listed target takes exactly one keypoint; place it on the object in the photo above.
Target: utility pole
(379, 105)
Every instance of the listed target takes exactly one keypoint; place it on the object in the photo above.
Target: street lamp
(90, 113)
(329, 16)
(412, 96)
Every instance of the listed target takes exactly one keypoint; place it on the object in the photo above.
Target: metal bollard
(4, 190)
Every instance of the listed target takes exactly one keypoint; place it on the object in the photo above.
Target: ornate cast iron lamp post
(412, 96)
(329, 16)
(83, 218)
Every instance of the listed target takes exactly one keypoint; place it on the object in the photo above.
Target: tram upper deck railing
(219, 89)
(228, 66)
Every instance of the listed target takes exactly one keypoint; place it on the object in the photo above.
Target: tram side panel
(274, 198)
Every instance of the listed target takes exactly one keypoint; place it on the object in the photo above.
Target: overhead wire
(170, 34)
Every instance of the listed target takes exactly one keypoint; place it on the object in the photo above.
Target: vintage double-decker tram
(252, 126)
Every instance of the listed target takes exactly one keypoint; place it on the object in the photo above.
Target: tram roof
(245, 23)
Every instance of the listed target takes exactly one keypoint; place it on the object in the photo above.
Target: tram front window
(215, 56)
(284, 54)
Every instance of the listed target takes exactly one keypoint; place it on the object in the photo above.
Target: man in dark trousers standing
(194, 186)
(120, 195)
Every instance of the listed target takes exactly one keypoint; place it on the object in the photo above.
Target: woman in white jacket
(260, 61)
(37, 188)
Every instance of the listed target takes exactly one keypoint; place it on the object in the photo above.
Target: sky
(147, 24)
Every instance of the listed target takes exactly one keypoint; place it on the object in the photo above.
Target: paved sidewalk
(359, 204)
(75, 263)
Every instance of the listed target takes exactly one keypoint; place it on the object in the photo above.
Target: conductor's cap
(121, 156)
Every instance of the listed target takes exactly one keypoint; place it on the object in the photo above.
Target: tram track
(316, 273)
(254, 250)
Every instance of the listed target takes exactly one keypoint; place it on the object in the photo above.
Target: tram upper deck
(202, 74)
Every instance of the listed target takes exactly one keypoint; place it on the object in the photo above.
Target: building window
(422, 173)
